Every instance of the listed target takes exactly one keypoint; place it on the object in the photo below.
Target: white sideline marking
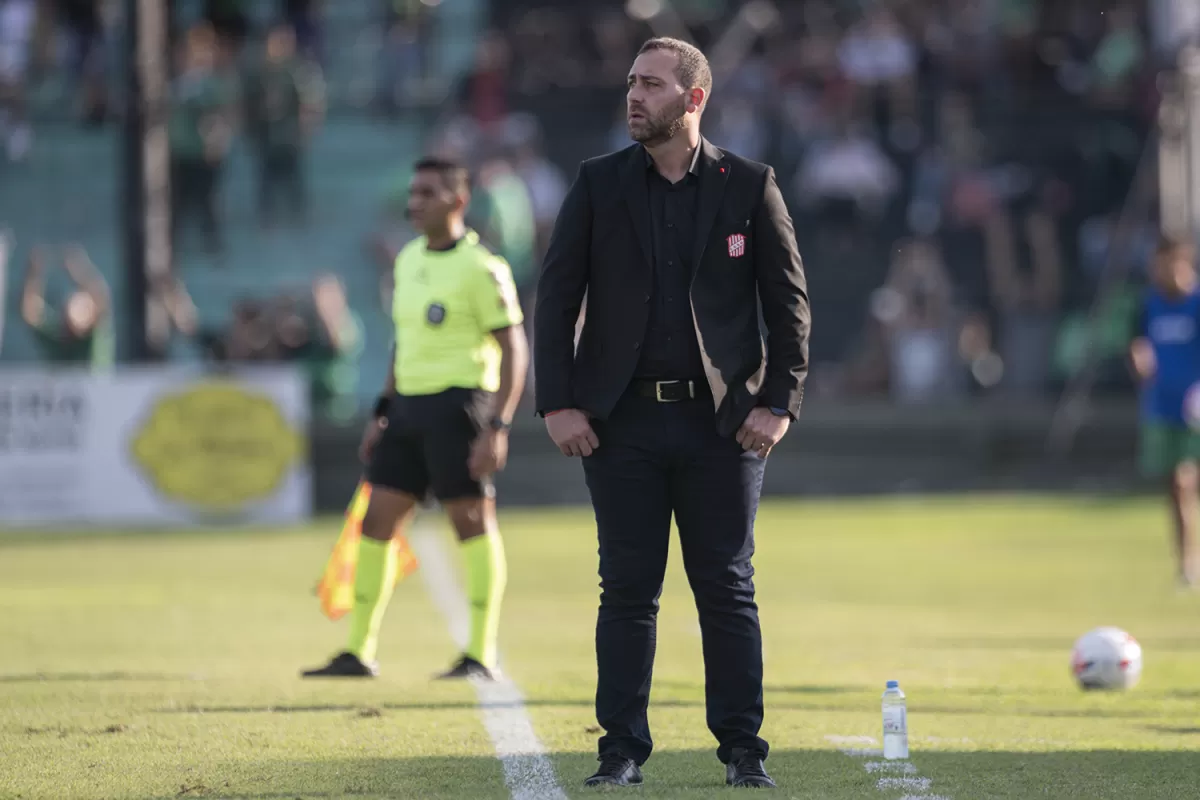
(903, 767)
(862, 752)
(528, 774)
(851, 739)
(916, 786)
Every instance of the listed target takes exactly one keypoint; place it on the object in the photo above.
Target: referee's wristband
(381, 406)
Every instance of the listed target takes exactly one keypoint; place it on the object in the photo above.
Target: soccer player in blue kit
(1165, 354)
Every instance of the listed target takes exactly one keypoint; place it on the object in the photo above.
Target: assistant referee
(441, 424)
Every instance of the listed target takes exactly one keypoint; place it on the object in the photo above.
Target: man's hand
(370, 438)
(489, 454)
(572, 432)
(762, 430)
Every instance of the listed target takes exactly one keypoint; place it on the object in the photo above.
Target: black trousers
(654, 460)
(194, 185)
(281, 175)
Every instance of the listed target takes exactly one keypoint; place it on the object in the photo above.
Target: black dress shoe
(616, 770)
(745, 771)
(467, 667)
(344, 665)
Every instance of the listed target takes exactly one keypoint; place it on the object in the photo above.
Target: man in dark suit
(675, 243)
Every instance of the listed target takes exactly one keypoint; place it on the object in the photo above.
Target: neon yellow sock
(373, 584)
(487, 575)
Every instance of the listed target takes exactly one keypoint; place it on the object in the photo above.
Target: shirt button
(647, 298)
(637, 345)
(670, 263)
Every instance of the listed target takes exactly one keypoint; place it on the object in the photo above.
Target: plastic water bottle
(895, 722)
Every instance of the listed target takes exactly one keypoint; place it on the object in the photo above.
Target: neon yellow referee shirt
(445, 307)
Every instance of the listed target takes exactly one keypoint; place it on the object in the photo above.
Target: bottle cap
(893, 684)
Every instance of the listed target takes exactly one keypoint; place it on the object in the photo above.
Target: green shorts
(1165, 445)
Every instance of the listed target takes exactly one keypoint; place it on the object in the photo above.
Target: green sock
(373, 585)
(487, 574)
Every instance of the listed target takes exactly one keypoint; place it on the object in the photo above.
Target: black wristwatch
(382, 406)
(497, 424)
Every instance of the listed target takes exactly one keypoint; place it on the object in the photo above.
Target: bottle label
(894, 720)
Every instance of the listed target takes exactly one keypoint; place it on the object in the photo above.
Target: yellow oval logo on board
(217, 446)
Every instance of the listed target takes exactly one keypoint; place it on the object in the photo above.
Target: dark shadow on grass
(1051, 643)
(813, 689)
(90, 677)
(458, 705)
(802, 688)
(1175, 730)
(1091, 774)
(449, 705)
(696, 774)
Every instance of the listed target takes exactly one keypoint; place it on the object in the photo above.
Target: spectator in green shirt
(504, 218)
(81, 334)
(326, 338)
(333, 363)
(200, 132)
(284, 101)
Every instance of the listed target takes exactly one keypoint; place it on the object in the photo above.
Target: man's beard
(662, 127)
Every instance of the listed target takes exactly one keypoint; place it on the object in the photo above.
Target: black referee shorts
(427, 443)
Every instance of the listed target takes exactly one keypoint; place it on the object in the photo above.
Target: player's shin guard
(374, 581)
(487, 575)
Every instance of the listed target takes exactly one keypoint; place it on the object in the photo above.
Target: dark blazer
(602, 246)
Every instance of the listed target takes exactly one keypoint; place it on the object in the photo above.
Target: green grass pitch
(165, 665)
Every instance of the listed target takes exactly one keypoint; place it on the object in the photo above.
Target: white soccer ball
(1106, 658)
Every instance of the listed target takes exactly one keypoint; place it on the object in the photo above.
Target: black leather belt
(668, 391)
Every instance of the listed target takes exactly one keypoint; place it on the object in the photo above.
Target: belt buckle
(658, 390)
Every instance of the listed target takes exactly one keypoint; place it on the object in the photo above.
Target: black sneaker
(467, 667)
(344, 665)
(616, 770)
(745, 771)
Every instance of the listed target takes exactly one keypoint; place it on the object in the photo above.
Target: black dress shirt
(670, 350)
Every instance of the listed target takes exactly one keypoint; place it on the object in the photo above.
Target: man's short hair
(692, 70)
(455, 175)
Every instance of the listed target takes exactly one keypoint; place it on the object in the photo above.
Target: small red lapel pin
(737, 245)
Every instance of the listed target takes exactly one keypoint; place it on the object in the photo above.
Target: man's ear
(696, 98)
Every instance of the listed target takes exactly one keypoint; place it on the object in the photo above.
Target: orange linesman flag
(336, 589)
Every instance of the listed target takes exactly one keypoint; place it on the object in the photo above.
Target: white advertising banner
(154, 446)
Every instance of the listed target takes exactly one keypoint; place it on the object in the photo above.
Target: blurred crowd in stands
(955, 168)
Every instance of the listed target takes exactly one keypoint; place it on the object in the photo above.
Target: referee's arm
(514, 363)
(389, 383)
(499, 310)
(379, 415)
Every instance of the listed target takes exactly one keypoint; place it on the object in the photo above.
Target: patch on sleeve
(506, 288)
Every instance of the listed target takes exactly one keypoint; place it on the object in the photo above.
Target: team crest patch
(435, 314)
(737, 245)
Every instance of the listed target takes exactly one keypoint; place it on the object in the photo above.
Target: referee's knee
(471, 516)
(386, 512)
